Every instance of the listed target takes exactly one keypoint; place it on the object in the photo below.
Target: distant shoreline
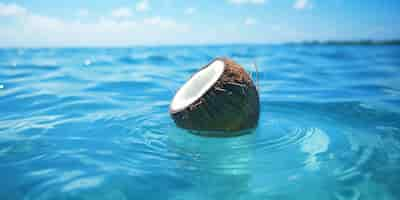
(349, 42)
(310, 42)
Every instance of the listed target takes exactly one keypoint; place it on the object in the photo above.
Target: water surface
(93, 123)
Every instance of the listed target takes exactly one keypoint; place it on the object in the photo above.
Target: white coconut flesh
(197, 86)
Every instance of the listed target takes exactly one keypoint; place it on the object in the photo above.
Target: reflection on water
(217, 167)
(94, 124)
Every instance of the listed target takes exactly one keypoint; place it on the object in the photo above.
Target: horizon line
(304, 42)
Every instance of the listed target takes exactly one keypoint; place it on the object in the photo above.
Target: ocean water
(79, 123)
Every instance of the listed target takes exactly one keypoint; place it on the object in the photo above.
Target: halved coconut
(219, 97)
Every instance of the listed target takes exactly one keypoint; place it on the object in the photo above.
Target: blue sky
(154, 22)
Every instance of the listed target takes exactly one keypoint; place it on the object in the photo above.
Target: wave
(152, 59)
(95, 123)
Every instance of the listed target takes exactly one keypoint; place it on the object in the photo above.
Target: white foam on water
(4, 151)
(88, 62)
(392, 92)
(44, 172)
(61, 177)
(318, 142)
(83, 183)
(1, 86)
(68, 176)
(104, 152)
(72, 151)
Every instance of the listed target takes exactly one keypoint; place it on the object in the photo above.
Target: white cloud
(239, 2)
(109, 31)
(121, 12)
(250, 21)
(143, 6)
(190, 11)
(82, 13)
(9, 10)
(160, 22)
(276, 27)
(302, 4)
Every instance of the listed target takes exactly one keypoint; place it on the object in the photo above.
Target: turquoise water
(94, 124)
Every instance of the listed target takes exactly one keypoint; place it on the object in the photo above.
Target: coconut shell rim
(172, 111)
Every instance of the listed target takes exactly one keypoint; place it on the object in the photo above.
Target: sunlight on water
(317, 143)
(94, 124)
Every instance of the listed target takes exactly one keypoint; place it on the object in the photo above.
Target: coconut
(220, 97)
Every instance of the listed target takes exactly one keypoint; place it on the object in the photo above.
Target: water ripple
(94, 124)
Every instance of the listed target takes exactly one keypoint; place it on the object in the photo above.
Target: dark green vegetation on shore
(351, 42)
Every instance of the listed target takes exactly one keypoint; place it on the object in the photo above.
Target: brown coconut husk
(231, 104)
